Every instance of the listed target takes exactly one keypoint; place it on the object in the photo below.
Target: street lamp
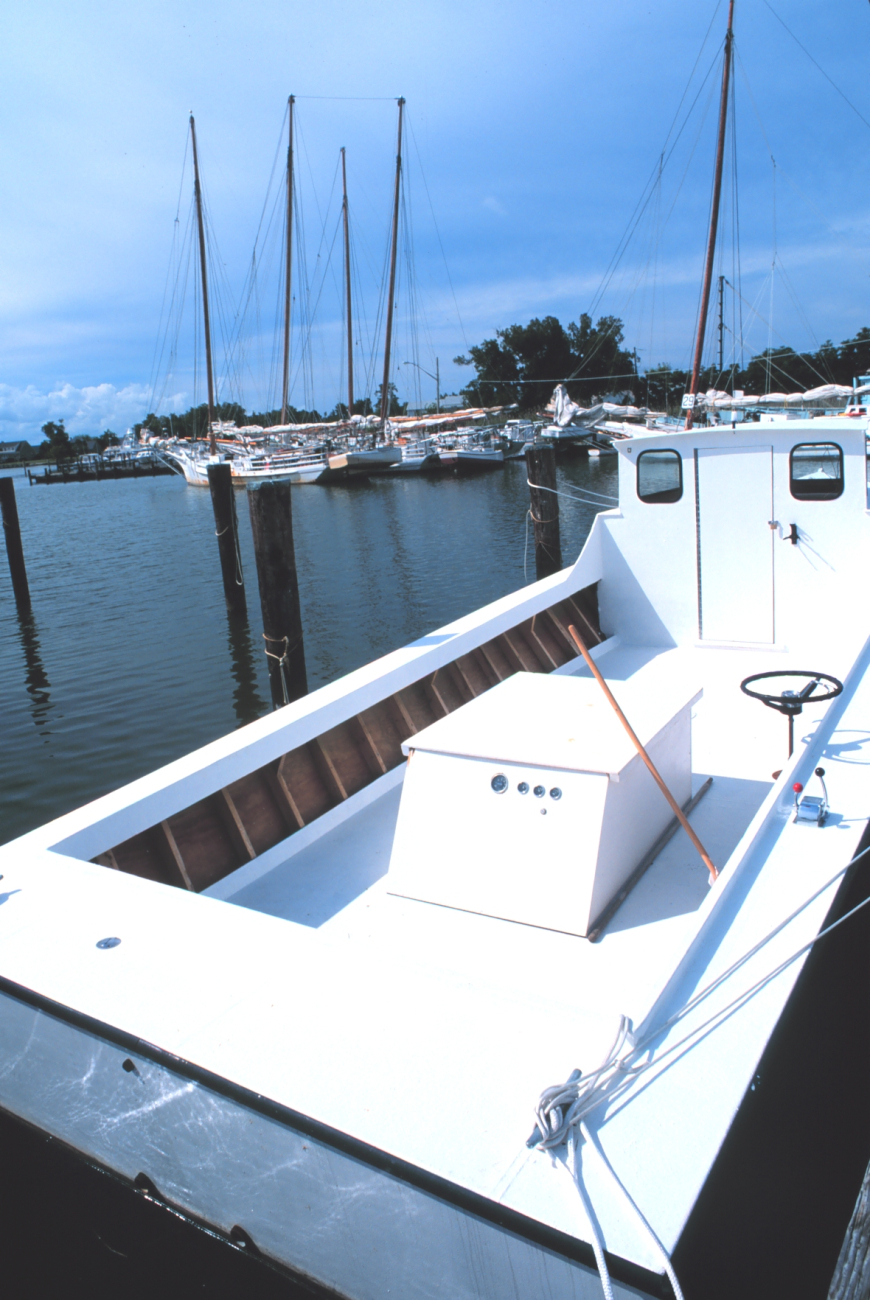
(436, 377)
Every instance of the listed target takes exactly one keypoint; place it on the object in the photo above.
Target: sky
(532, 133)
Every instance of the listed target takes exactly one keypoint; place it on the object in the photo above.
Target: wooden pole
(541, 471)
(14, 550)
(388, 339)
(714, 214)
(209, 373)
(654, 772)
(347, 290)
(288, 268)
(226, 527)
(272, 526)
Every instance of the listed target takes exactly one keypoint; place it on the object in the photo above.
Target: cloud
(87, 410)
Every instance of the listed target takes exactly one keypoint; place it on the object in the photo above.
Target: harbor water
(130, 659)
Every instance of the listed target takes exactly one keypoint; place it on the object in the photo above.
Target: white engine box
(553, 859)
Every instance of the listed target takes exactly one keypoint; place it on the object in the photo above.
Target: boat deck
(429, 1032)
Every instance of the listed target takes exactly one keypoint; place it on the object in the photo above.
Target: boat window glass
(659, 476)
(816, 471)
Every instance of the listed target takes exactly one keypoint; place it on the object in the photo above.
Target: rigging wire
(840, 92)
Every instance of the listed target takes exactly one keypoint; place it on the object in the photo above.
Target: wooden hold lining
(200, 845)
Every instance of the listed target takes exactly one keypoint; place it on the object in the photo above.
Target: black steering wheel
(791, 703)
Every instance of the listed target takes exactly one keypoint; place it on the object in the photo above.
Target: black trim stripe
(519, 1225)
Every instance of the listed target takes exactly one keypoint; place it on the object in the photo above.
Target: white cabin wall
(649, 588)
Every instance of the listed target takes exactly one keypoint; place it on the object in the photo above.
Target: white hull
(307, 1051)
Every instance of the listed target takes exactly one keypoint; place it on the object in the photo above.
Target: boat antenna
(209, 374)
(288, 270)
(385, 391)
(347, 289)
(714, 214)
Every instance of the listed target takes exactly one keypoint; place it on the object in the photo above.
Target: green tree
(523, 363)
(59, 447)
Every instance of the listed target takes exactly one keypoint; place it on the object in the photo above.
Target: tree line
(522, 364)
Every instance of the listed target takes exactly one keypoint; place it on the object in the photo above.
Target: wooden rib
(235, 825)
(406, 717)
(587, 625)
(432, 685)
(369, 745)
(562, 629)
(473, 674)
(107, 859)
(533, 632)
(327, 767)
(522, 651)
(487, 652)
(284, 790)
(176, 855)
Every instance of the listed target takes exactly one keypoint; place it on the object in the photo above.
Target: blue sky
(532, 128)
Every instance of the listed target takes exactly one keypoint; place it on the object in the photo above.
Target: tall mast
(714, 215)
(288, 269)
(208, 367)
(385, 391)
(347, 290)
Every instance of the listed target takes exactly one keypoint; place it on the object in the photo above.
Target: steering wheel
(791, 703)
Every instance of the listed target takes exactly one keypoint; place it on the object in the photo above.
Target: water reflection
(247, 704)
(35, 678)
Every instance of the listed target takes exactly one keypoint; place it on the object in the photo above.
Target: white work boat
(316, 1001)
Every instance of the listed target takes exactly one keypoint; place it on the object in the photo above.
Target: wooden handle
(682, 818)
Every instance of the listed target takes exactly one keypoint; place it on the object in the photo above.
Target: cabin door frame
(734, 541)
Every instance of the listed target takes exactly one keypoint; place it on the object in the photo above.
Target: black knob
(820, 771)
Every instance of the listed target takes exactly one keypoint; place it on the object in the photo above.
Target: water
(130, 659)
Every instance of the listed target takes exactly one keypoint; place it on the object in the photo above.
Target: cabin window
(659, 476)
(816, 471)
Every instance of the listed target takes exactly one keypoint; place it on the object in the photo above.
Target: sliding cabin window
(815, 471)
(659, 477)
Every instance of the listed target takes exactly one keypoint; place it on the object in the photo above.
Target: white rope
(540, 488)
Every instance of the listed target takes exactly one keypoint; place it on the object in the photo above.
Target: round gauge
(523, 787)
(539, 792)
(555, 793)
(499, 783)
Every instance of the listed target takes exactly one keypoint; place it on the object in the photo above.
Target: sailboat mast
(714, 215)
(208, 367)
(288, 269)
(385, 391)
(347, 290)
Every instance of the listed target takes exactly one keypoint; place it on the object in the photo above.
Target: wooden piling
(272, 526)
(541, 467)
(14, 550)
(226, 527)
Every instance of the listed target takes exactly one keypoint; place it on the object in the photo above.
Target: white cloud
(494, 206)
(88, 410)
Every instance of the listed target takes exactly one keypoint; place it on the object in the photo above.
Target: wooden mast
(347, 290)
(212, 441)
(714, 215)
(385, 390)
(288, 269)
